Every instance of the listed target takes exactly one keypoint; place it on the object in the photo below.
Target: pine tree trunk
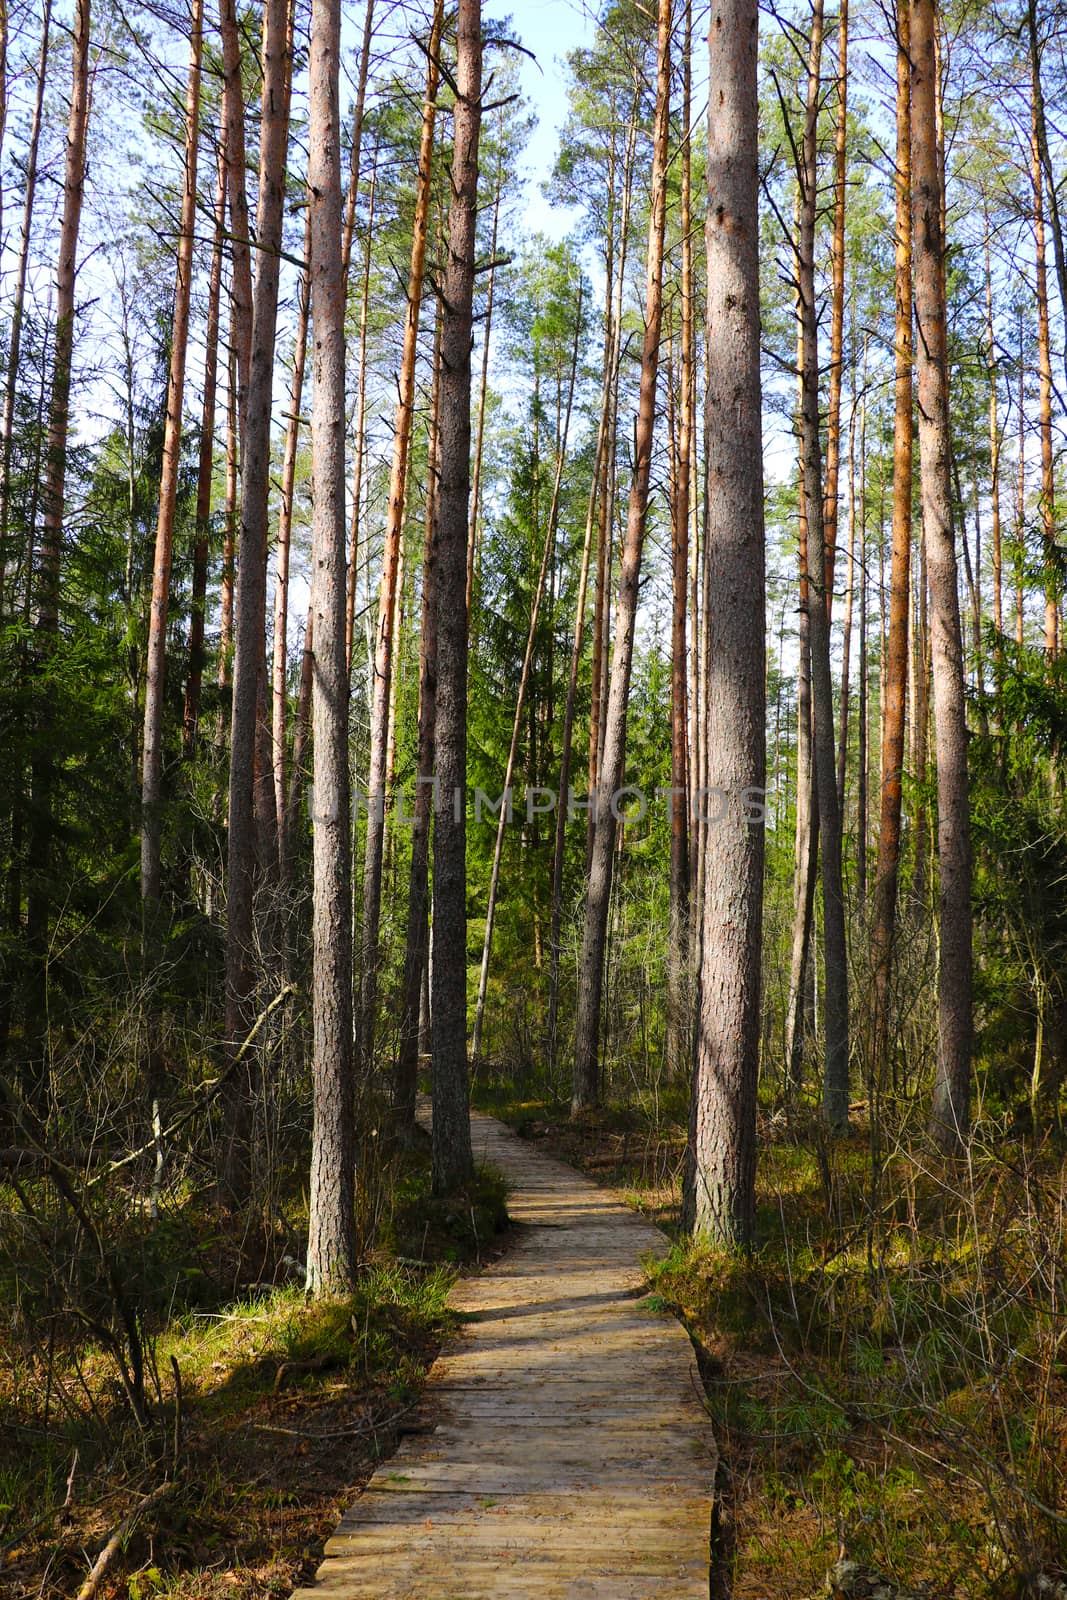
(331, 1263)
(229, 531)
(720, 1190)
(994, 463)
(18, 298)
(280, 663)
(361, 420)
(585, 1087)
(835, 954)
(204, 476)
(895, 678)
(417, 943)
(678, 1034)
(452, 1161)
(950, 1113)
(156, 654)
(233, 144)
(249, 661)
(837, 305)
(1044, 395)
(474, 540)
(387, 596)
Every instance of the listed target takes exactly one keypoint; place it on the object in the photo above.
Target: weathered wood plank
(572, 1457)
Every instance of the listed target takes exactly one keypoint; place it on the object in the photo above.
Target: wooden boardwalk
(572, 1457)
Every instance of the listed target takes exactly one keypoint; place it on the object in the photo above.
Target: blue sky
(550, 28)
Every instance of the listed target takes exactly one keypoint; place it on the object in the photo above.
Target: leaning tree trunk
(18, 299)
(204, 478)
(835, 955)
(887, 871)
(47, 585)
(720, 1187)
(156, 653)
(612, 766)
(331, 1227)
(950, 1109)
(452, 1160)
(249, 663)
(377, 770)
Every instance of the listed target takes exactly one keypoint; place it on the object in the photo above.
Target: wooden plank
(572, 1457)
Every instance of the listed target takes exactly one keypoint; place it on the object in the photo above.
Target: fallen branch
(119, 1537)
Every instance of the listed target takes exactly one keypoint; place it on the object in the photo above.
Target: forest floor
(285, 1406)
(887, 1374)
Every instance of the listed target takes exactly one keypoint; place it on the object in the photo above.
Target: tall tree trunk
(1044, 393)
(156, 654)
(280, 663)
(474, 539)
(204, 476)
(720, 1191)
(452, 1160)
(950, 1113)
(864, 702)
(678, 1034)
(835, 954)
(47, 586)
(331, 1225)
(524, 679)
(387, 597)
(994, 459)
(229, 531)
(895, 679)
(837, 304)
(417, 944)
(361, 420)
(612, 767)
(249, 662)
(850, 604)
(18, 299)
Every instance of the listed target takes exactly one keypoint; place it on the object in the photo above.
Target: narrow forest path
(572, 1457)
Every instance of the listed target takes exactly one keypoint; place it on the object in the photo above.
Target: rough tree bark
(950, 1109)
(331, 1228)
(361, 420)
(720, 1187)
(452, 1161)
(585, 1086)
